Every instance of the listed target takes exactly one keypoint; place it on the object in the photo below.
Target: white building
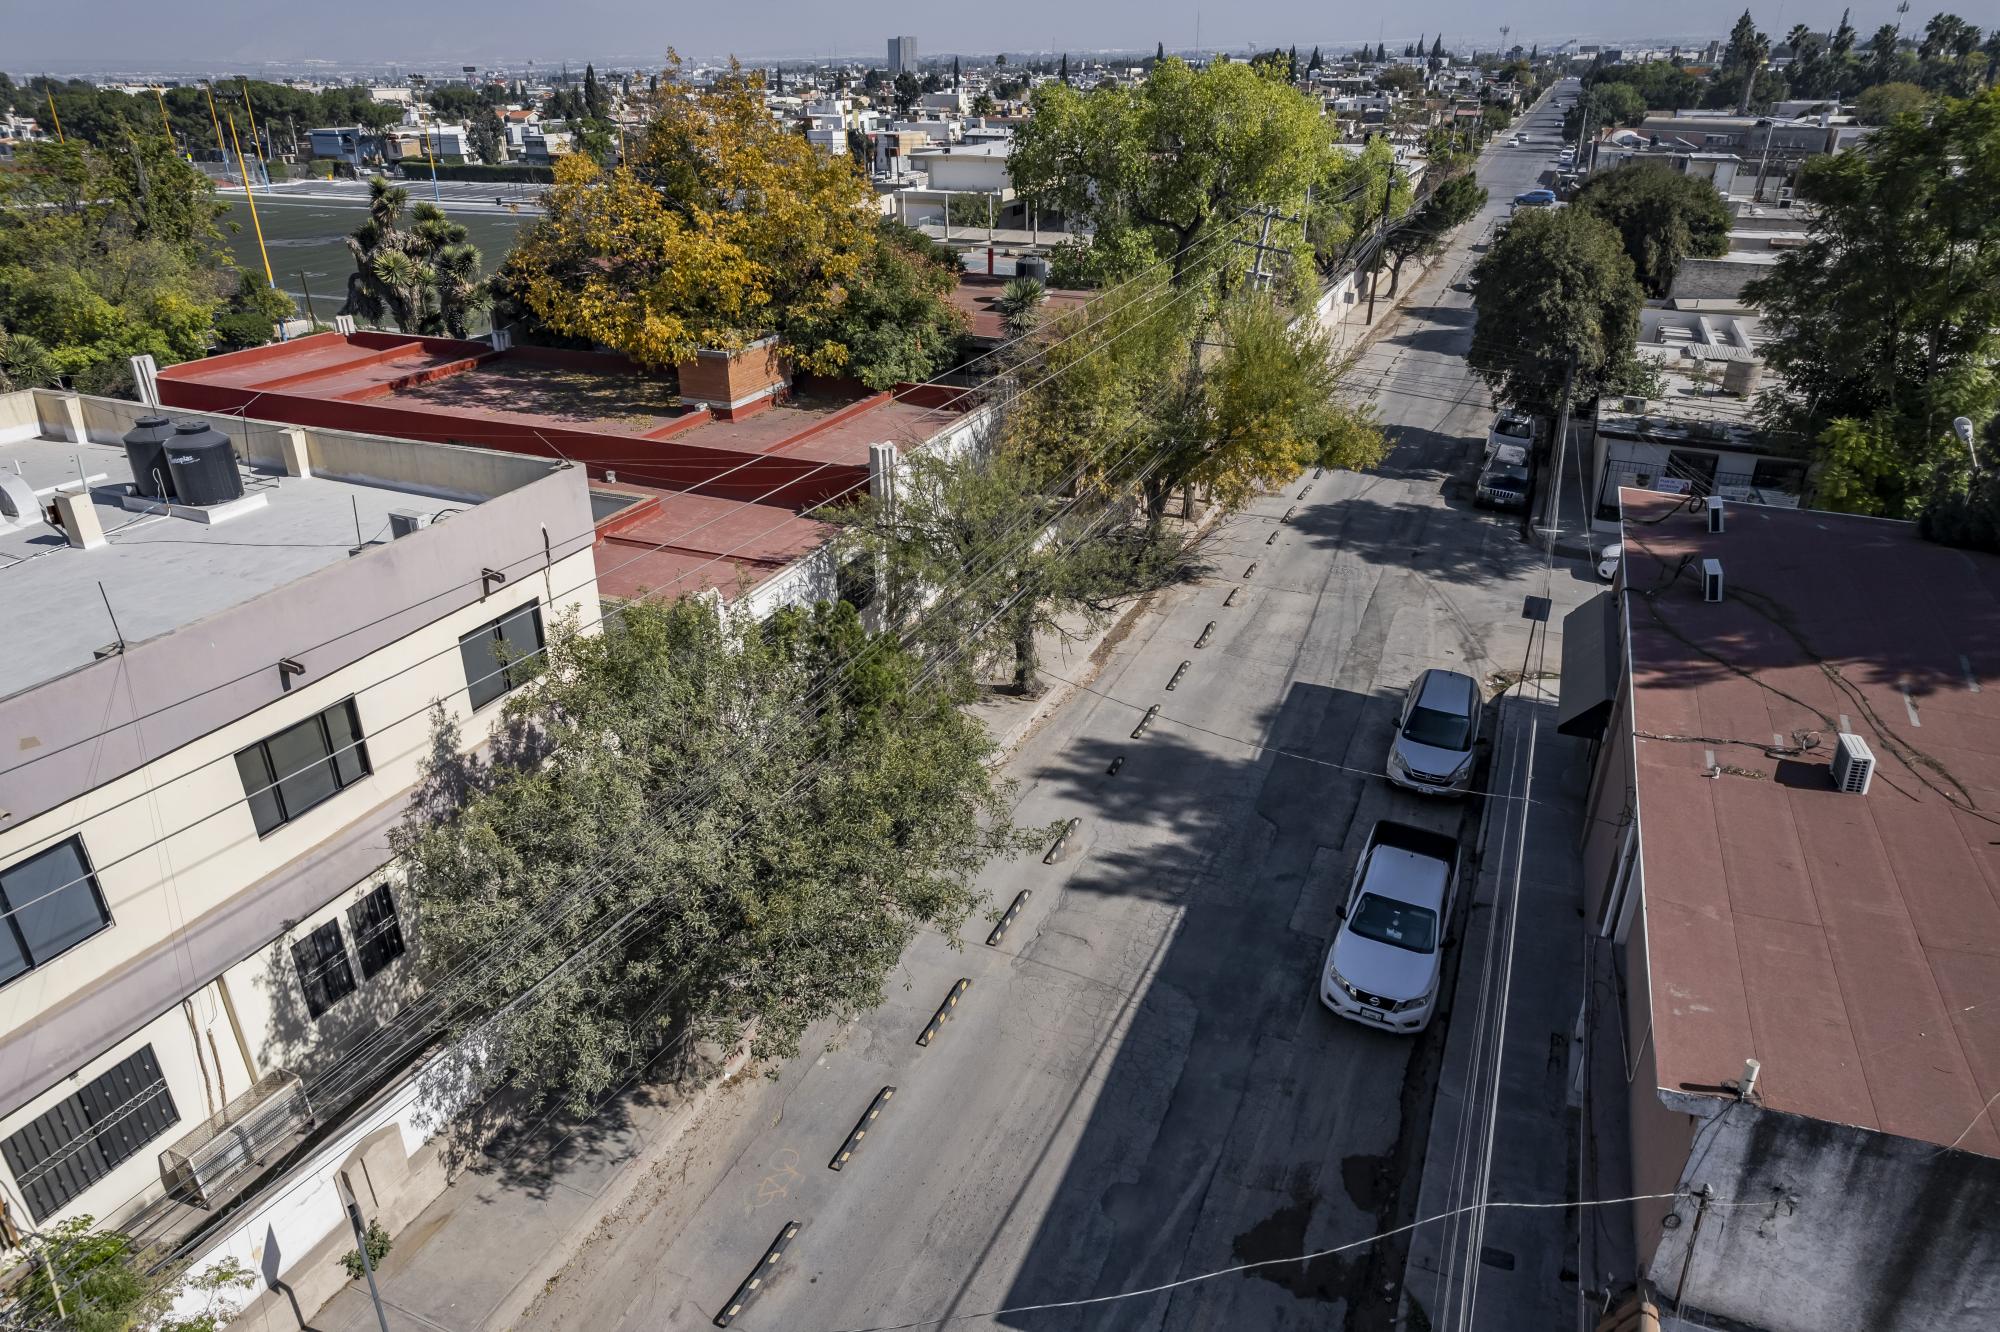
(902, 55)
(216, 702)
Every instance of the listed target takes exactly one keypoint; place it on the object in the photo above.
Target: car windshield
(1512, 429)
(1398, 924)
(1510, 478)
(1439, 730)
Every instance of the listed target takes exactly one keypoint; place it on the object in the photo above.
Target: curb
(521, 1299)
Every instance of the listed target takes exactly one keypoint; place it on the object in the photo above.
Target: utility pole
(1388, 193)
(1554, 514)
(1260, 279)
(361, 1242)
(311, 318)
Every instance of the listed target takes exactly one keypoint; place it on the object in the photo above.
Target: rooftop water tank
(202, 463)
(146, 452)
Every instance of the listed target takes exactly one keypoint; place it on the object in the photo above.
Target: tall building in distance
(902, 55)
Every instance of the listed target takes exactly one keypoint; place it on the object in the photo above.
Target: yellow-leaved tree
(719, 228)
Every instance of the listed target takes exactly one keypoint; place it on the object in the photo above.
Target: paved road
(1141, 1084)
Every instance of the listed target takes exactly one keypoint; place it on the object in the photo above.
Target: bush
(378, 1242)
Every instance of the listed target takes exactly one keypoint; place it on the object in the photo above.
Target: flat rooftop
(977, 296)
(158, 572)
(1849, 942)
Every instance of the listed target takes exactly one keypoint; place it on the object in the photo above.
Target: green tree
(1883, 324)
(1173, 158)
(1009, 559)
(595, 104)
(106, 255)
(1885, 101)
(1663, 216)
(1020, 305)
(1556, 284)
(1403, 79)
(907, 89)
(488, 136)
(895, 322)
(1744, 59)
(1425, 232)
(109, 1283)
(1316, 63)
(781, 811)
(425, 276)
(984, 105)
(1605, 106)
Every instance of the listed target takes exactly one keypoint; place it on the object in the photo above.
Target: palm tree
(1020, 305)
(426, 278)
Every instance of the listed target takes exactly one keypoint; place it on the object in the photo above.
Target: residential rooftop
(1710, 377)
(1850, 943)
(164, 567)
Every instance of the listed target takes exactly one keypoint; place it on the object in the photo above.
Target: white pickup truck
(1382, 967)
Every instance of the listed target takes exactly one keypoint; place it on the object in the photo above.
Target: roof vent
(1853, 764)
(1711, 580)
(402, 522)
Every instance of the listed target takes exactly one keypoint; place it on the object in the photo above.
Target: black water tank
(203, 464)
(146, 451)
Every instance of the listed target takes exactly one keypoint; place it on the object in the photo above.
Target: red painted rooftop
(1850, 943)
(742, 484)
(977, 293)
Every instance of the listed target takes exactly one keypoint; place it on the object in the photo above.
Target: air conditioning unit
(1715, 515)
(217, 1157)
(1853, 764)
(402, 522)
(1711, 580)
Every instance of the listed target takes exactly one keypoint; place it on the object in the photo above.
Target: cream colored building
(211, 715)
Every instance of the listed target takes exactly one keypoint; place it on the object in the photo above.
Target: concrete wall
(1836, 1227)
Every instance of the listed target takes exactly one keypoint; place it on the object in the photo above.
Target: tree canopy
(1426, 231)
(1663, 216)
(425, 277)
(1172, 158)
(722, 228)
(782, 807)
(1883, 324)
(1557, 282)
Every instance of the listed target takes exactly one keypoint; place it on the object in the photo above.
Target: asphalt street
(1140, 1084)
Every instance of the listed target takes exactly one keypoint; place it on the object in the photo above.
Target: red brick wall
(710, 377)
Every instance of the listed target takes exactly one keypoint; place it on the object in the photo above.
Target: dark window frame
(264, 785)
(377, 924)
(58, 1155)
(508, 675)
(323, 968)
(11, 922)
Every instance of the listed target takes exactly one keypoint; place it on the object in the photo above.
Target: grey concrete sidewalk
(1521, 1272)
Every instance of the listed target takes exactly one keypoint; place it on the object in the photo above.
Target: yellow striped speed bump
(757, 1279)
(945, 1010)
(853, 1143)
(1000, 930)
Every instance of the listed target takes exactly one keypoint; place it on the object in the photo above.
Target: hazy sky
(236, 33)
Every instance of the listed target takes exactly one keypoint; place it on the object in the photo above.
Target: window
(501, 654)
(302, 765)
(64, 1151)
(378, 934)
(52, 905)
(321, 958)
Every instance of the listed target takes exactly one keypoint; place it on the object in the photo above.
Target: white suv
(1437, 734)
(1382, 967)
(1510, 430)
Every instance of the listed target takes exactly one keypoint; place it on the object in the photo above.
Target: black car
(1502, 486)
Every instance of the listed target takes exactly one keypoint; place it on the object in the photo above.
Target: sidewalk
(1524, 1265)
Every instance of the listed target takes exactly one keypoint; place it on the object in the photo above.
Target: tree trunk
(1027, 682)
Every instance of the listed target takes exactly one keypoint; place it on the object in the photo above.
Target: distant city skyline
(237, 34)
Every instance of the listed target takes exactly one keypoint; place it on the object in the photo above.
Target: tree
(1556, 284)
(1842, 42)
(1402, 79)
(1882, 53)
(1159, 52)
(784, 810)
(425, 277)
(907, 89)
(594, 104)
(1381, 53)
(722, 229)
(109, 1283)
(1237, 141)
(1020, 305)
(104, 256)
(488, 136)
(1748, 50)
(1316, 63)
(1437, 47)
(1425, 232)
(984, 105)
(896, 322)
(1663, 216)
(1882, 325)
(1885, 101)
(1063, 72)
(954, 74)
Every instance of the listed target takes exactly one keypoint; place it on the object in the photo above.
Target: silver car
(1437, 735)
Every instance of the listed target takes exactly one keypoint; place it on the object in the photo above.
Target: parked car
(1510, 428)
(1609, 559)
(1437, 734)
(1502, 485)
(1382, 967)
(1535, 198)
